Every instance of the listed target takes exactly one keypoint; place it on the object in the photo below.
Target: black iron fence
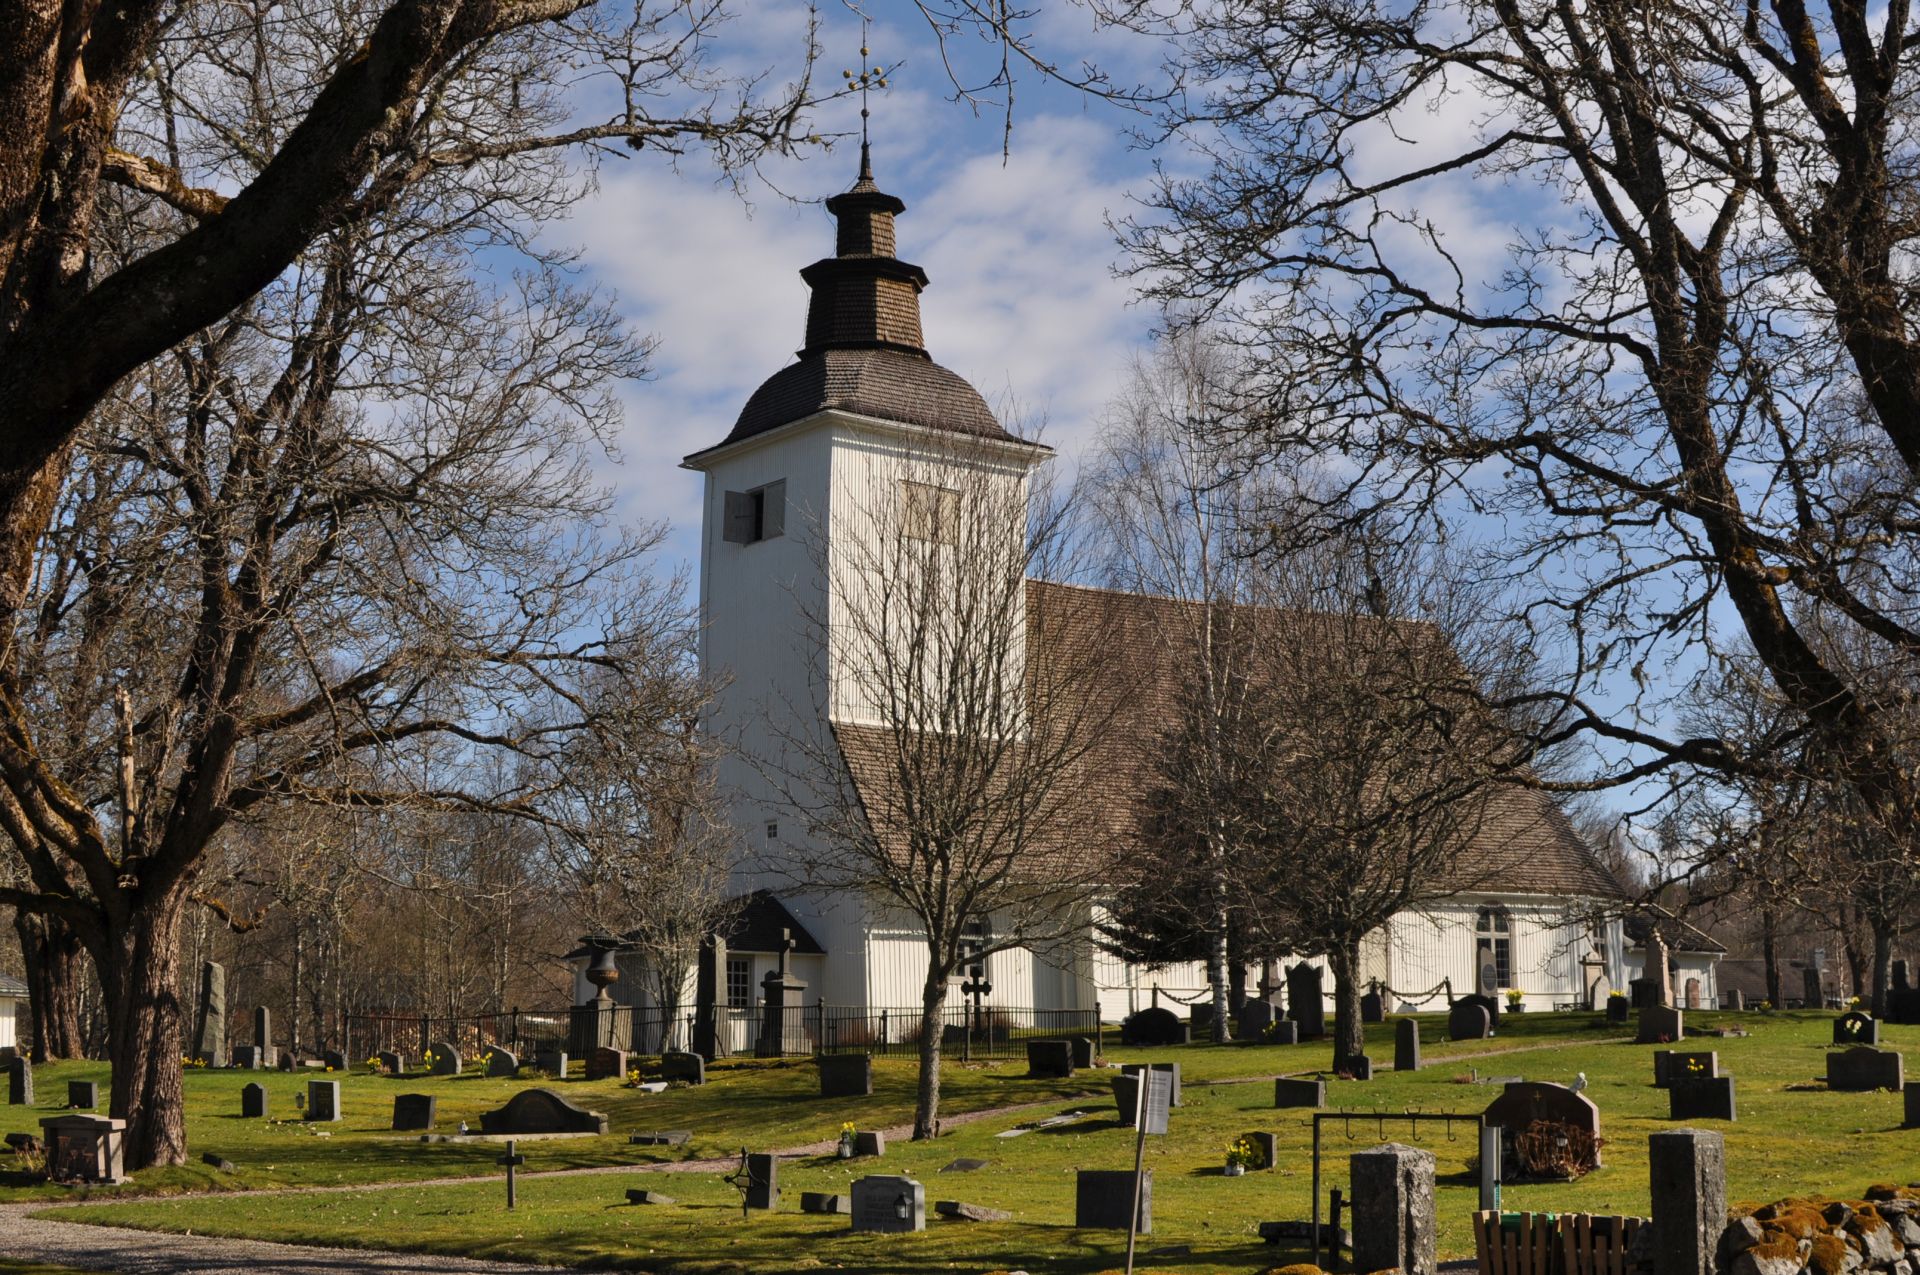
(991, 1032)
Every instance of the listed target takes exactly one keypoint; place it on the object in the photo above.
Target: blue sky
(1024, 301)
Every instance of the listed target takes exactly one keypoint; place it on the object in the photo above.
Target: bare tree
(943, 770)
(1677, 365)
(1178, 514)
(1378, 761)
(640, 845)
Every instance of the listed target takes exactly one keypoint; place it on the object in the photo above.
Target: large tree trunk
(926, 1098)
(52, 955)
(145, 1036)
(1349, 1036)
(1882, 967)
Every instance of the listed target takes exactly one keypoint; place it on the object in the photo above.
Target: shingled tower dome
(864, 352)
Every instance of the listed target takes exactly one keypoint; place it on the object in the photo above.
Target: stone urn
(602, 970)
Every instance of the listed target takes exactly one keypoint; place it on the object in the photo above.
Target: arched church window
(1493, 928)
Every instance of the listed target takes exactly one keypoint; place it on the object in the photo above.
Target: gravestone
(1486, 972)
(763, 1182)
(1406, 1045)
(1373, 1007)
(1687, 1170)
(333, 1060)
(869, 1142)
(442, 1059)
(323, 1100)
(1049, 1059)
(691, 1068)
(500, 1062)
(263, 1034)
(606, 1063)
(1290, 1092)
(1152, 1107)
(1693, 993)
(288, 1061)
(1619, 1009)
(1283, 1032)
(19, 1081)
(1359, 1067)
(1468, 1021)
(781, 1029)
(1810, 988)
(889, 1204)
(1393, 1210)
(246, 1058)
(709, 990)
(960, 1211)
(1659, 967)
(1696, 1064)
(1660, 1025)
(391, 1063)
(1306, 1003)
(1488, 1003)
(1856, 1028)
(1154, 1026)
(1102, 1199)
(1253, 1018)
(82, 1095)
(823, 1202)
(1642, 993)
(1529, 1102)
(1700, 1098)
(210, 1033)
(253, 1101)
(414, 1111)
(1266, 1148)
(541, 1111)
(1082, 1050)
(1911, 1100)
(552, 1061)
(1737, 1000)
(89, 1149)
(845, 1075)
(662, 1138)
(1863, 1068)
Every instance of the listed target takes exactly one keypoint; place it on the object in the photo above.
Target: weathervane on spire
(870, 77)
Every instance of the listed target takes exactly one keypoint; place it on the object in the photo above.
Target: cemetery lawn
(1793, 1137)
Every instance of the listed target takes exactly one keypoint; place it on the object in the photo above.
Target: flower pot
(1236, 1170)
(845, 1150)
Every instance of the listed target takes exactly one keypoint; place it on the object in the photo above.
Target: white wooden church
(809, 452)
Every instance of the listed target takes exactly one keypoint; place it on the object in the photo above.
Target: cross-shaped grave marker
(512, 1162)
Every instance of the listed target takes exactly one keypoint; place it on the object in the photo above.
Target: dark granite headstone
(607, 1064)
(552, 1061)
(1154, 1026)
(880, 1202)
(1736, 1000)
(1525, 1103)
(1488, 1003)
(1810, 989)
(823, 1202)
(1373, 1007)
(1253, 1018)
(1406, 1045)
(1103, 1198)
(1697, 1064)
(1049, 1059)
(1359, 1067)
(1863, 1068)
(246, 1058)
(442, 1059)
(1468, 1021)
(541, 1111)
(763, 1181)
(263, 1034)
(1911, 1100)
(82, 1095)
(333, 1060)
(691, 1068)
(1283, 1032)
(1288, 1092)
(1082, 1050)
(253, 1101)
(1856, 1028)
(869, 1142)
(414, 1111)
(845, 1075)
(1701, 1099)
(501, 1063)
(1266, 1148)
(1306, 1003)
(391, 1063)
(709, 995)
(1661, 1025)
(19, 1081)
(323, 1100)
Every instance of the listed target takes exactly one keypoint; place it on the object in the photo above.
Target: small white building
(13, 1012)
(811, 449)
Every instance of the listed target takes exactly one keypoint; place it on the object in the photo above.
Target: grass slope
(1792, 1137)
